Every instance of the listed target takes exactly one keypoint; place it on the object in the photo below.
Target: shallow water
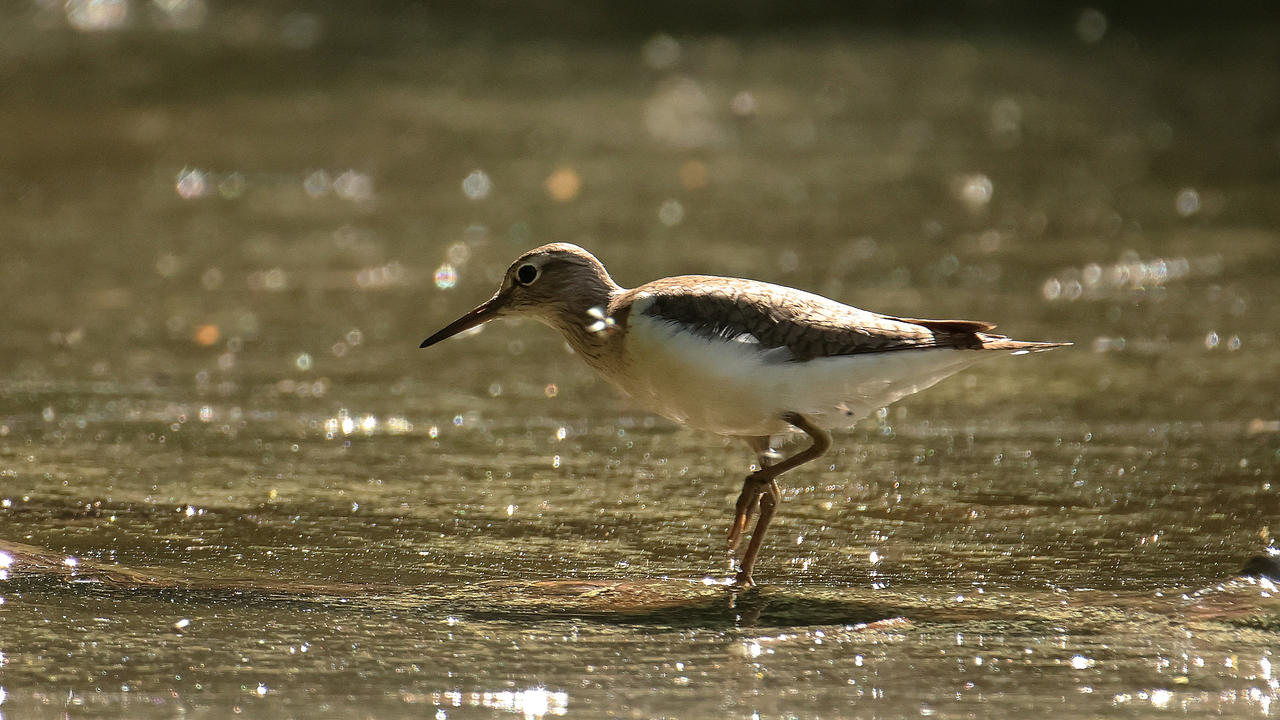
(223, 245)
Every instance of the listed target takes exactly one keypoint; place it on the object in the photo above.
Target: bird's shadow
(672, 603)
(667, 602)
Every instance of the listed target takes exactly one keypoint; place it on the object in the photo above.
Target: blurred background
(226, 226)
(213, 189)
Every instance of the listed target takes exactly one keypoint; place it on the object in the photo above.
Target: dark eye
(526, 274)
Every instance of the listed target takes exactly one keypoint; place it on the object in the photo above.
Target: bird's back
(730, 355)
(809, 326)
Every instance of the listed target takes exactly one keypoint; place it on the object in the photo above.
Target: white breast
(733, 387)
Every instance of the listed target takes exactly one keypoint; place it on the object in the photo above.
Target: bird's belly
(734, 388)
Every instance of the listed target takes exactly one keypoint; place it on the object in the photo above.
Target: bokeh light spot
(1187, 202)
(317, 184)
(191, 184)
(671, 213)
(232, 186)
(168, 265)
(477, 185)
(743, 104)
(181, 14)
(207, 335)
(1006, 122)
(974, 190)
(682, 115)
(661, 52)
(446, 276)
(694, 175)
(459, 252)
(383, 276)
(1091, 26)
(563, 185)
(97, 15)
(273, 280)
(211, 279)
(354, 186)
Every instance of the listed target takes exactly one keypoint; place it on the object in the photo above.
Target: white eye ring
(526, 274)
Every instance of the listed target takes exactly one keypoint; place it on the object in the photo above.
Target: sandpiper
(739, 358)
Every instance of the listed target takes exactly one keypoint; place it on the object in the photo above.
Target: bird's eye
(526, 274)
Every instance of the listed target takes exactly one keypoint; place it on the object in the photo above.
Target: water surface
(223, 244)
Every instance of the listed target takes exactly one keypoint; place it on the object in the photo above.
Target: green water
(222, 246)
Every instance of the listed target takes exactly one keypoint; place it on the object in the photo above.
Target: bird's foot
(743, 581)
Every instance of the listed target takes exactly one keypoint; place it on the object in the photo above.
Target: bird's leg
(748, 503)
(749, 499)
(767, 493)
(768, 500)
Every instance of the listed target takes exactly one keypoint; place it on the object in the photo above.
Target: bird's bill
(487, 311)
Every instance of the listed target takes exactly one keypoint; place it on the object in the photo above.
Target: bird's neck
(582, 318)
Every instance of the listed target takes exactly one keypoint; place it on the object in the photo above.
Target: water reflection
(531, 703)
(346, 424)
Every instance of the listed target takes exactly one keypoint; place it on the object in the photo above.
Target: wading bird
(736, 357)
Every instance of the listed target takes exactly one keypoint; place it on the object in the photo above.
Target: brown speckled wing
(808, 326)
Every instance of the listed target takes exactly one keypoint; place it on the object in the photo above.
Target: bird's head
(558, 284)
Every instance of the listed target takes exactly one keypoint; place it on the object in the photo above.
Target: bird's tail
(1018, 347)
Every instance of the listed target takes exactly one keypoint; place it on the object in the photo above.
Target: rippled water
(231, 481)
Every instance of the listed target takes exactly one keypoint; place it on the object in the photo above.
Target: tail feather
(1000, 342)
(951, 327)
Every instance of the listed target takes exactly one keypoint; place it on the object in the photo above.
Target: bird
(739, 358)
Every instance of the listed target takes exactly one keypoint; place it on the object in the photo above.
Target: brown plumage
(809, 326)
(738, 357)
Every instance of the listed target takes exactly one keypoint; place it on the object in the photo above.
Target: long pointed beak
(487, 311)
